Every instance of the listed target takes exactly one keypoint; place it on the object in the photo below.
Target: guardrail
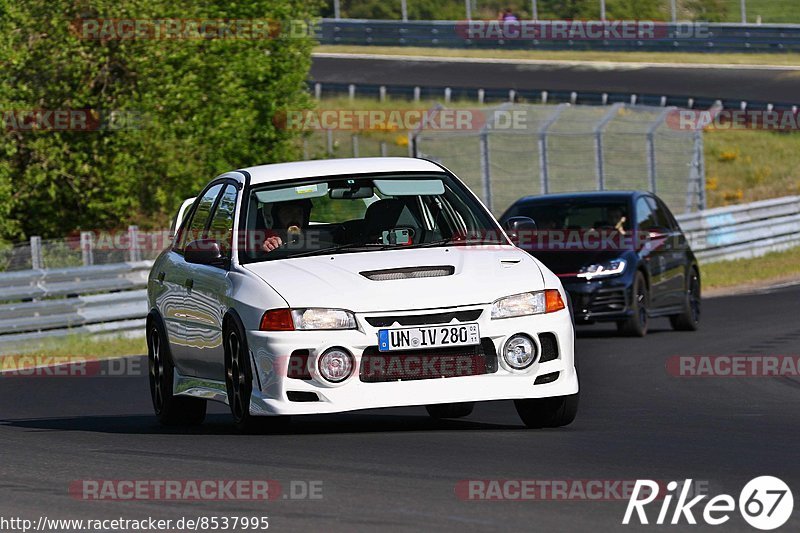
(112, 299)
(42, 304)
(741, 231)
(671, 37)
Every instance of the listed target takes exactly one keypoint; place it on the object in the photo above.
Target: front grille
(302, 396)
(380, 367)
(408, 273)
(298, 365)
(421, 320)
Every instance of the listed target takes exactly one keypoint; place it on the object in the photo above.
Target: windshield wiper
(451, 241)
(341, 247)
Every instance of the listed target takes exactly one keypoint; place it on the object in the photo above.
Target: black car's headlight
(602, 270)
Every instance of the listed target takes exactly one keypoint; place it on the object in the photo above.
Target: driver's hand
(271, 243)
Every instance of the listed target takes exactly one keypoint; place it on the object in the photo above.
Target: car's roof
(587, 195)
(337, 167)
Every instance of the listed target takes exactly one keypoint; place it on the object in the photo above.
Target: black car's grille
(421, 320)
(607, 301)
(380, 367)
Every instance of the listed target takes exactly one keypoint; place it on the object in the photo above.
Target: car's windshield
(576, 214)
(356, 214)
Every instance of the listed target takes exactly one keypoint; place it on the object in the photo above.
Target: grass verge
(749, 273)
(780, 59)
(93, 347)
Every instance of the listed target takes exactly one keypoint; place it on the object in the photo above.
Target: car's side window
(665, 216)
(645, 215)
(221, 227)
(195, 227)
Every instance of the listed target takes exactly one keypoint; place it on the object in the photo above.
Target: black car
(620, 254)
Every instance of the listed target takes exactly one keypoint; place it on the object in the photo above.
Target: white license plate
(428, 337)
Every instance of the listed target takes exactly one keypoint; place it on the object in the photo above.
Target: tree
(173, 112)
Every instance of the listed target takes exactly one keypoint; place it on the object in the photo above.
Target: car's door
(208, 292)
(676, 255)
(181, 278)
(651, 248)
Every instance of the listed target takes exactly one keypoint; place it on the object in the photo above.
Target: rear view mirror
(345, 193)
(515, 226)
(204, 252)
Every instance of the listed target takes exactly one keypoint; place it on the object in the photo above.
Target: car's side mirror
(516, 226)
(659, 233)
(204, 252)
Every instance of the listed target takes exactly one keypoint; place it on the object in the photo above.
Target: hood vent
(409, 273)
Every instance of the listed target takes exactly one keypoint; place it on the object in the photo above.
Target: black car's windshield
(355, 214)
(576, 214)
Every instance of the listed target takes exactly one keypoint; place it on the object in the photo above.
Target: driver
(618, 219)
(290, 219)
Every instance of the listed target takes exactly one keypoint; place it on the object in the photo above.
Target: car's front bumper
(599, 300)
(271, 352)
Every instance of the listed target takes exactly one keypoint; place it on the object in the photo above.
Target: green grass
(770, 11)
(776, 266)
(745, 166)
(780, 59)
(91, 347)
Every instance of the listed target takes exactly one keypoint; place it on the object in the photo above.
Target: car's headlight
(307, 319)
(601, 270)
(528, 303)
(317, 318)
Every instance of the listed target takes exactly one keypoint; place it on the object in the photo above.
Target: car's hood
(481, 275)
(569, 262)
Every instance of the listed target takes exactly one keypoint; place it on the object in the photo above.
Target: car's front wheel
(450, 410)
(239, 384)
(636, 325)
(689, 319)
(548, 412)
(169, 409)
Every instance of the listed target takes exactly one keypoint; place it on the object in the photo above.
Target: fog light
(519, 352)
(335, 365)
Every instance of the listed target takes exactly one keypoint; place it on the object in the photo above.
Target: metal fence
(686, 37)
(550, 149)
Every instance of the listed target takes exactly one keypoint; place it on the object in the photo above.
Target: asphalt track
(762, 84)
(396, 469)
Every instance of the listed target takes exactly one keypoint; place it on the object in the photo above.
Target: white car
(329, 286)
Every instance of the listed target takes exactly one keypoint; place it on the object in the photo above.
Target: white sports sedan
(329, 286)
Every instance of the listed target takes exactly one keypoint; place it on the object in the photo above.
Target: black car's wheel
(169, 409)
(450, 410)
(239, 384)
(636, 325)
(548, 412)
(689, 319)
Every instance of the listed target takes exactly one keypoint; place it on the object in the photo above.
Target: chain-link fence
(538, 149)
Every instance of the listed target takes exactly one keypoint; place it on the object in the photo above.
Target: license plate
(428, 337)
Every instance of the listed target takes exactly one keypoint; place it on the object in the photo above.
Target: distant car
(621, 256)
(329, 286)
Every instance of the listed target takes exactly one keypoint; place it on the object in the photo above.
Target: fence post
(486, 179)
(354, 143)
(598, 145)
(134, 253)
(36, 253)
(697, 175)
(329, 143)
(351, 92)
(317, 91)
(305, 149)
(651, 149)
(87, 248)
(544, 178)
(382, 93)
(417, 94)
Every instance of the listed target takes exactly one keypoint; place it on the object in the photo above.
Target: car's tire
(170, 410)
(636, 325)
(689, 319)
(548, 412)
(239, 383)
(450, 410)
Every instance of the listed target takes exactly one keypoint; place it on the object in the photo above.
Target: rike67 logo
(765, 503)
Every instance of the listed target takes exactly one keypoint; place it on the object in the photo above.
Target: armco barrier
(110, 299)
(681, 37)
(747, 230)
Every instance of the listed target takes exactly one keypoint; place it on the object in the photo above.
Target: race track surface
(397, 469)
(775, 84)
